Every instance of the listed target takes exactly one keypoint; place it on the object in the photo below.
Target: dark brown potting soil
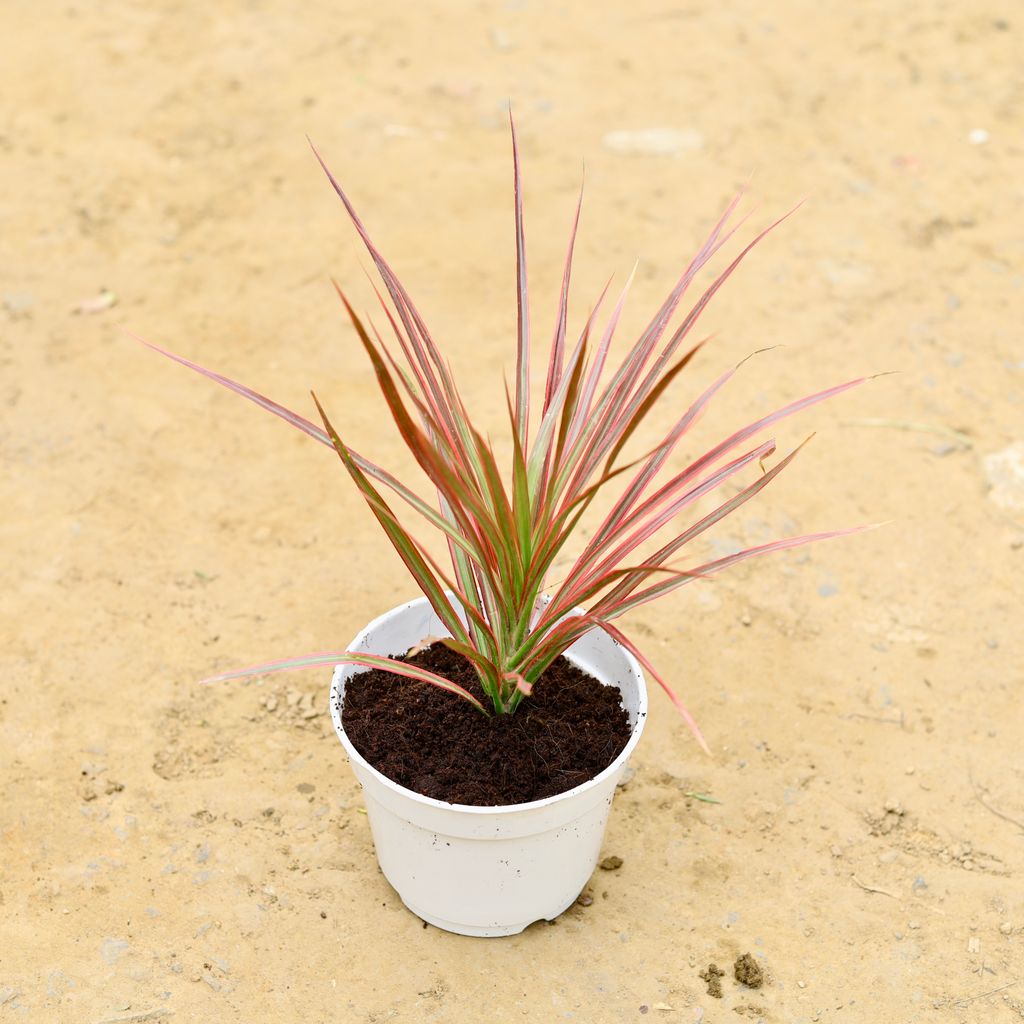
(436, 743)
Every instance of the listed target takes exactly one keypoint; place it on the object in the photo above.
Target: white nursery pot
(488, 870)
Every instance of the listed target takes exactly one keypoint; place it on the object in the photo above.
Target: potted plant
(450, 707)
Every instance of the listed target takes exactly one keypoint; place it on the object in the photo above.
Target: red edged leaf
(398, 668)
(407, 550)
(558, 344)
(616, 634)
(648, 403)
(520, 682)
(659, 590)
(522, 302)
(297, 421)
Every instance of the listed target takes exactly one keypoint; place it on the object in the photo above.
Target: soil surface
(567, 731)
(173, 852)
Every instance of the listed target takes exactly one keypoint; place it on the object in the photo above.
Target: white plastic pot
(488, 870)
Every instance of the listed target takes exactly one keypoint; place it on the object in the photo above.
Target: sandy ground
(170, 852)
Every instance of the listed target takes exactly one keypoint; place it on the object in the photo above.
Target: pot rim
(501, 809)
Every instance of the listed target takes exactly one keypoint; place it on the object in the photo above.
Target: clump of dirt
(611, 863)
(436, 743)
(748, 972)
(713, 976)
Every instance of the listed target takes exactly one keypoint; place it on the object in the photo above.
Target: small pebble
(1006, 928)
(654, 142)
(611, 863)
(501, 40)
(1005, 473)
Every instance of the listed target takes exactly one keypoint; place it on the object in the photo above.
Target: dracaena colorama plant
(505, 531)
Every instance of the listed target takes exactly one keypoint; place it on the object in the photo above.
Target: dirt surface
(177, 852)
(436, 743)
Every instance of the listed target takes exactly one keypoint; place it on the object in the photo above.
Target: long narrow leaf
(398, 668)
(522, 302)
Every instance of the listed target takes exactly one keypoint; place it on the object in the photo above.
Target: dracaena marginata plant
(504, 531)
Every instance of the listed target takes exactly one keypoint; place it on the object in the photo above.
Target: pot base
(486, 931)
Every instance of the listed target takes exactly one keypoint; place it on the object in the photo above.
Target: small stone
(1005, 473)
(18, 304)
(745, 619)
(1006, 928)
(585, 899)
(502, 40)
(271, 704)
(612, 863)
(835, 851)
(654, 141)
(893, 807)
(113, 949)
(913, 925)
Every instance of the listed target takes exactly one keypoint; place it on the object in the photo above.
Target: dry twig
(871, 888)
